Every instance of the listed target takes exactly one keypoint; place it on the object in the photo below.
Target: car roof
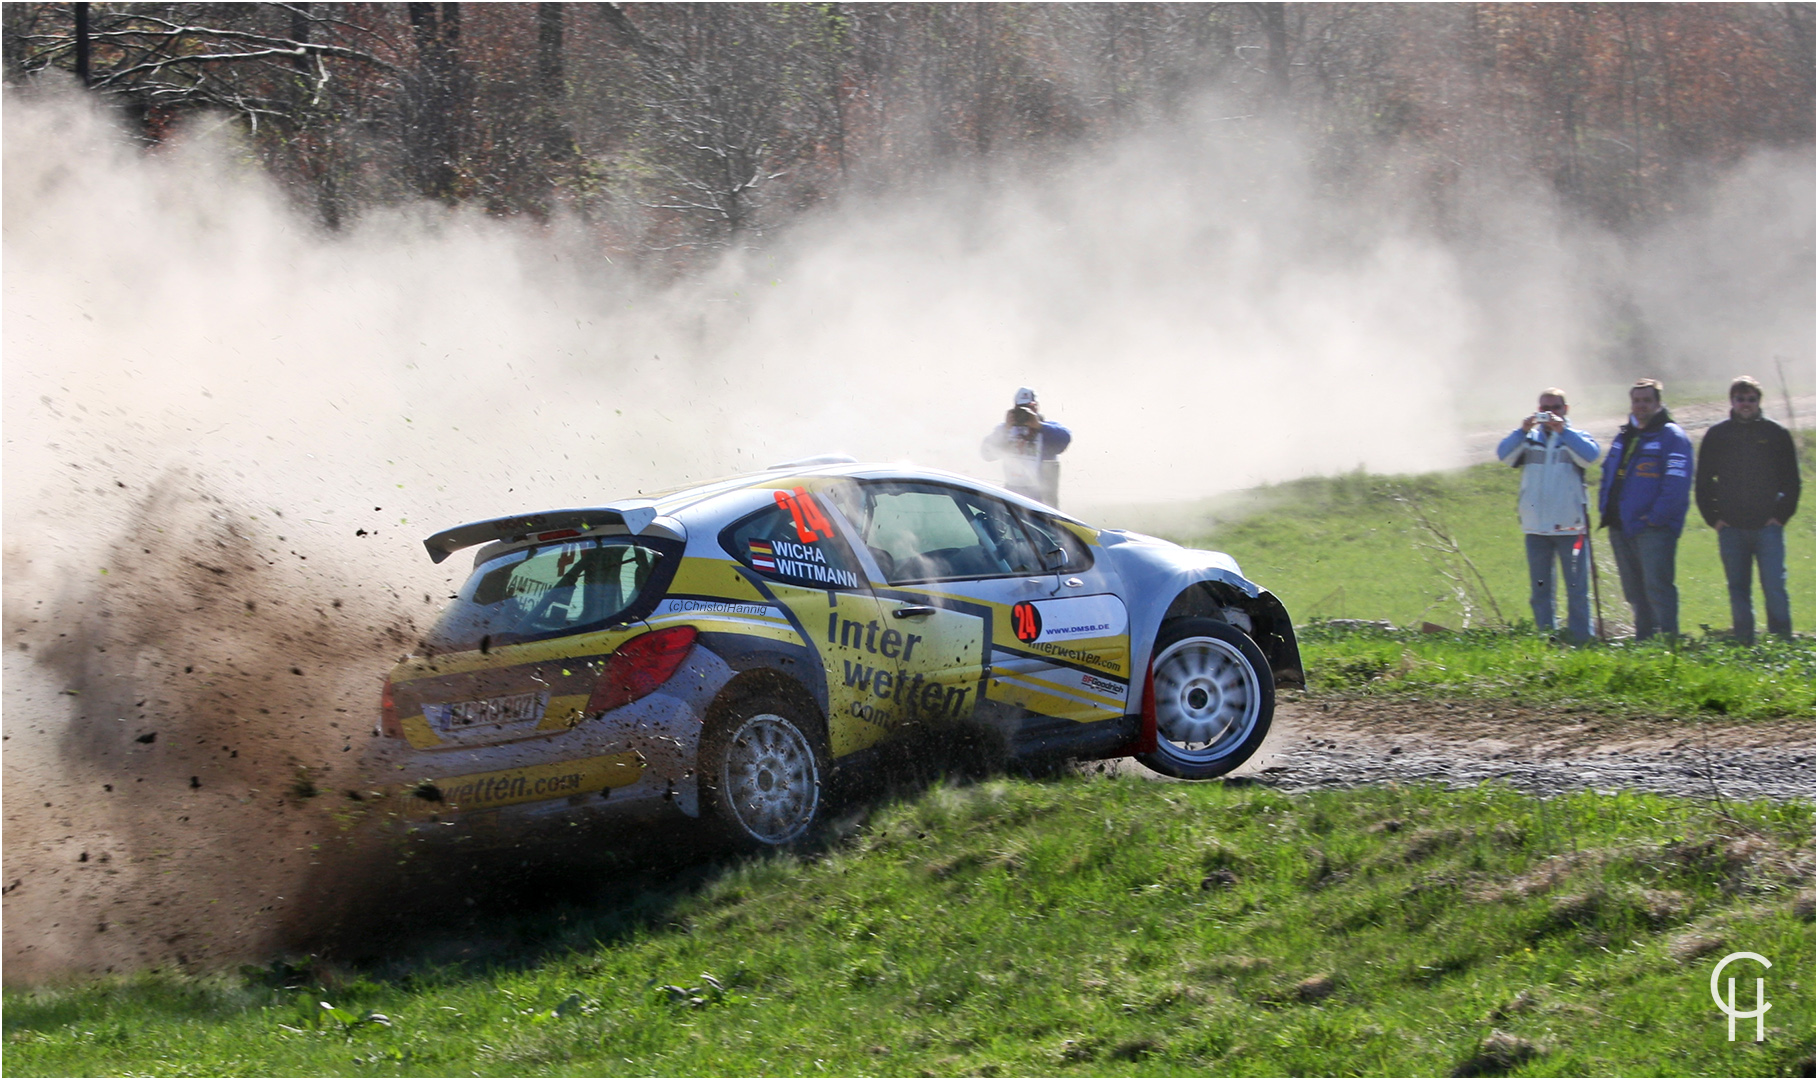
(679, 500)
(648, 511)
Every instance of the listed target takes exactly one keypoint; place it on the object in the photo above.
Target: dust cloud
(226, 433)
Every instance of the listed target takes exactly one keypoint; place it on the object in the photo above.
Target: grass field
(1693, 679)
(1444, 548)
(1076, 927)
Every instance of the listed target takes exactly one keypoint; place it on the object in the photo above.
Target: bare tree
(437, 96)
(292, 72)
(684, 127)
(724, 96)
(552, 88)
(1274, 20)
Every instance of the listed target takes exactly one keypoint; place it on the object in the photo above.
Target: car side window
(794, 543)
(1050, 536)
(929, 533)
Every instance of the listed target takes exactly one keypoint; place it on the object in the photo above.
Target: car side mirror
(1055, 559)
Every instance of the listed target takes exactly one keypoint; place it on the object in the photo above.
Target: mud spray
(226, 433)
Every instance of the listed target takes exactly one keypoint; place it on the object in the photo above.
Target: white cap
(1024, 396)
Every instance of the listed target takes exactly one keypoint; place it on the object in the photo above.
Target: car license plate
(459, 716)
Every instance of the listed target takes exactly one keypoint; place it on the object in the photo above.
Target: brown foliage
(674, 128)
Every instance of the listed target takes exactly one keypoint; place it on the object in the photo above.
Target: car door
(931, 656)
(1052, 645)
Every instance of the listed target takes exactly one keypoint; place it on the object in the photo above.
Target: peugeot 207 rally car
(728, 646)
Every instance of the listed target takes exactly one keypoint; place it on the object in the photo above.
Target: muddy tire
(764, 765)
(1214, 699)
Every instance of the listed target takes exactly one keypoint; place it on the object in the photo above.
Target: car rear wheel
(1214, 699)
(764, 767)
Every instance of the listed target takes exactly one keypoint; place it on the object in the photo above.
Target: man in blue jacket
(1028, 445)
(1552, 456)
(1647, 487)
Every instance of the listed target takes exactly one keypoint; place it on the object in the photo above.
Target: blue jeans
(1573, 556)
(1645, 563)
(1767, 548)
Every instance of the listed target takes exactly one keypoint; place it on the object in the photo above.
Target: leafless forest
(671, 131)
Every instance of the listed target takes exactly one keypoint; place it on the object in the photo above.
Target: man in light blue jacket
(1552, 456)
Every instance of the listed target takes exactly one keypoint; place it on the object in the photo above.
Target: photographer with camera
(1552, 456)
(1028, 445)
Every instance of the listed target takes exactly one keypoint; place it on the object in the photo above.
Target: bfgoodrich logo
(1729, 1006)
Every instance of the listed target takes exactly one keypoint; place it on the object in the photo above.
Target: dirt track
(1316, 744)
(211, 861)
(1695, 418)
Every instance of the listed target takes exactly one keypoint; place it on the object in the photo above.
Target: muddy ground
(1326, 743)
(1697, 418)
(204, 878)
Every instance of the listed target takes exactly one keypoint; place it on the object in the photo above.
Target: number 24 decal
(810, 523)
(1026, 621)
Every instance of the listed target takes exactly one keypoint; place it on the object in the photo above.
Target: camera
(1545, 417)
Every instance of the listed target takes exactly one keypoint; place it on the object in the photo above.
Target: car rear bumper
(640, 755)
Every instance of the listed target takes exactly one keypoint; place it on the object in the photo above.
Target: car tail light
(640, 666)
(388, 713)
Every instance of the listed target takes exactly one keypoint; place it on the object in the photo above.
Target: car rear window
(548, 591)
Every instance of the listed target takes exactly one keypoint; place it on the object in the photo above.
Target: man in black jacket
(1747, 487)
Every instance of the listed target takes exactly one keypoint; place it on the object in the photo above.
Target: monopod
(1596, 592)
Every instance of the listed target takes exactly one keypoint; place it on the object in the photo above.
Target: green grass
(1697, 678)
(1079, 927)
(1354, 546)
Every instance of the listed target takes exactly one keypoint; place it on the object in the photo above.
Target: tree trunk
(299, 33)
(82, 44)
(1275, 30)
(434, 127)
(552, 85)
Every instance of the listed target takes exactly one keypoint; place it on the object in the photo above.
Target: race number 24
(1026, 621)
(810, 523)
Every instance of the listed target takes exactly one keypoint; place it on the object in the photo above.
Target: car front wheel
(1214, 698)
(765, 769)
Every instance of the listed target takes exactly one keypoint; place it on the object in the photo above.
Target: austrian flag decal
(763, 556)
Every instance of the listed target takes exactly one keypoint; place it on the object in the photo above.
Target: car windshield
(544, 592)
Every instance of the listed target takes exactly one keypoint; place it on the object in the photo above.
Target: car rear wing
(632, 518)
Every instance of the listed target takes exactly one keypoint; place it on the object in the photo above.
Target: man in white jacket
(1552, 456)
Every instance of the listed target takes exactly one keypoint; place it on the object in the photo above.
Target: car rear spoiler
(633, 517)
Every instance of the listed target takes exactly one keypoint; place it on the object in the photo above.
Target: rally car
(728, 647)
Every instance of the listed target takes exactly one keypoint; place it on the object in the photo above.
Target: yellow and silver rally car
(727, 647)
